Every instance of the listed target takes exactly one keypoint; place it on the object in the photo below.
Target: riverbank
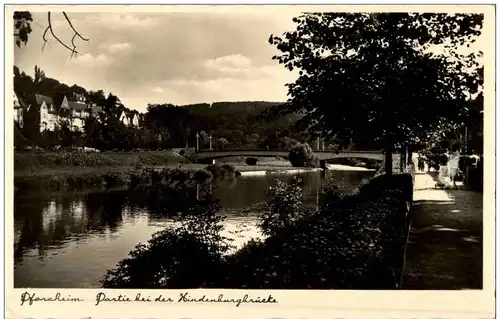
(76, 171)
(64, 163)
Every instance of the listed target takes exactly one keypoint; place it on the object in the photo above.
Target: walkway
(445, 244)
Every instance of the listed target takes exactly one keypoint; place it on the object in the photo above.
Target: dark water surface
(70, 240)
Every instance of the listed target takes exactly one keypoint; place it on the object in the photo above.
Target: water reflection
(70, 240)
(45, 222)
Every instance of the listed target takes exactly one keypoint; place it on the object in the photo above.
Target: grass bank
(37, 162)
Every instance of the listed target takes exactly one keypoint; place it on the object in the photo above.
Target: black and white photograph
(226, 149)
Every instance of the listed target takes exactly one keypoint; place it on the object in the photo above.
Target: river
(69, 240)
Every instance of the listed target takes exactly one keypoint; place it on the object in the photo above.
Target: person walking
(443, 176)
(421, 162)
(453, 165)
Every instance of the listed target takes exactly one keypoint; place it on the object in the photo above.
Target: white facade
(135, 119)
(79, 111)
(77, 124)
(124, 118)
(48, 118)
(18, 111)
(129, 120)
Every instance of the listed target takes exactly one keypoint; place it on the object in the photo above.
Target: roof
(77, 105)
(22, 103)
(96, 109)
(42, 98)
(17, 104)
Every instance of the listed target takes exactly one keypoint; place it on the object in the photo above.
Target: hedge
(351, 242)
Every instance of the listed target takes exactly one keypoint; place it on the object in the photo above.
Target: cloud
(90, 60)
(118, 47)
(158, 89)
(121, 21)
(235, 61)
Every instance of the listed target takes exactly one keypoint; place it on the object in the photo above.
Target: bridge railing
(281, 150)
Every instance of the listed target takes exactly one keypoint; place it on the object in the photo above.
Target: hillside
(235, 121)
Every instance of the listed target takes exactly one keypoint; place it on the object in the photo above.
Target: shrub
(222, 171)
(172, 257)
(331, 197)
(398, 185)
(113, 179)
(215, 170)
(251, 161)
(283, 207)
(301, 155)
(228, 170)
(356, 243)
(203, 176)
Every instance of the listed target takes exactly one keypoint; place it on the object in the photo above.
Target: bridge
(323, 156)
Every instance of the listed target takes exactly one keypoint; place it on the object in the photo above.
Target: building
(76, 110)
(136, 119)
(124, 118)
(130, 118)
(19, 109)
(49, 117)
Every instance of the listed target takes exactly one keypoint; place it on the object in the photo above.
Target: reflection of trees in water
(105, 210)
(45, 222)
(28, 225)
(166, 200)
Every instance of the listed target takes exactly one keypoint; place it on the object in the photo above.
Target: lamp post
(197, 141)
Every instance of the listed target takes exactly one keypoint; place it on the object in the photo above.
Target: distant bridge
(204, 155)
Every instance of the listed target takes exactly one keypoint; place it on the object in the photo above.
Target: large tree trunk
(388, 156)
(401, 160)
(388, 161)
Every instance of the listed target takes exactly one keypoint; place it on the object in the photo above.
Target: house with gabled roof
(124, 118)
(77, 109)
(49, 118)
(20, 107)
(130, 118)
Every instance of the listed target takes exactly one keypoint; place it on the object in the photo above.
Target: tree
(302, 155)
(222, 143)
(364, 74)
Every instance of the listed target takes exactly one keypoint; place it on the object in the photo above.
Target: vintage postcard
(274, 161)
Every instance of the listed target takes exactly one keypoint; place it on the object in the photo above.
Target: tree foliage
(379, 75)
(302, 155)
(283, 207)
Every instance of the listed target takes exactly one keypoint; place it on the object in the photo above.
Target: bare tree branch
(73, 28)
(73, 50)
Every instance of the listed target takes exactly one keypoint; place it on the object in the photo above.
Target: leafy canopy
(363, 74)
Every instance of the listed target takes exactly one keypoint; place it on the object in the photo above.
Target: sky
(169, 57)
(177, 57)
